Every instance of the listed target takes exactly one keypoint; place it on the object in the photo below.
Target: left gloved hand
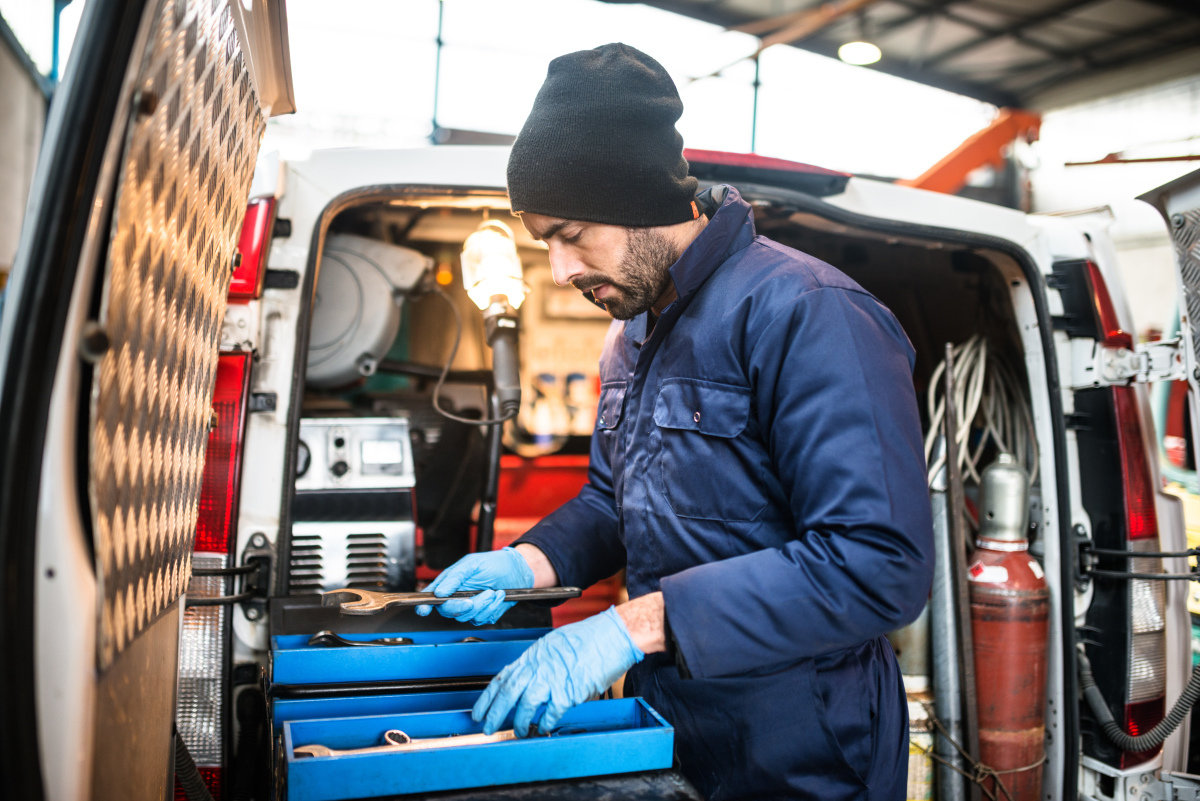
(566, 667)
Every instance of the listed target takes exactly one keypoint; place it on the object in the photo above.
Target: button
(696, 417)
(601, 421)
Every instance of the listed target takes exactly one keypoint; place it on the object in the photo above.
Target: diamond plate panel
(1185, 231)
(188, 161)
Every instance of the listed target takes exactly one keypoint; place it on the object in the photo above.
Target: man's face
(625, 269)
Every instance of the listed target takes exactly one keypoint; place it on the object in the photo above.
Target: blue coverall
(758, 458)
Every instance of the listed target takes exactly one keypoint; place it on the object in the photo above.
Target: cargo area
(941, 292)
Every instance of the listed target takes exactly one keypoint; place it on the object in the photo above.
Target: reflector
(202, 665)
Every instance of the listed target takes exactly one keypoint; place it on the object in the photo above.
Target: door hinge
(1171, 786)
(1095, 365)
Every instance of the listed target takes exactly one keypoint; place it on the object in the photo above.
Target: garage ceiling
(1036, 54)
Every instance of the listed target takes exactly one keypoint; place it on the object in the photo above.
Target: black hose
(1143, 742)
(188, 775)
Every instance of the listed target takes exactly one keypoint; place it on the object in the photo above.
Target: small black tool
(329, 639)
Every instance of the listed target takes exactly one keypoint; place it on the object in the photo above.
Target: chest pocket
(612, 403)
(710, 469)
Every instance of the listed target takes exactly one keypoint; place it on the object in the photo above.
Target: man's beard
(642, 276)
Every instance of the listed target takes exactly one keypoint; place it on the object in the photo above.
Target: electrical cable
(1118, 736)
(989, 398)
(437, 389)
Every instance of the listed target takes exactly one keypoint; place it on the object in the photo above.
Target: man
(757, 466)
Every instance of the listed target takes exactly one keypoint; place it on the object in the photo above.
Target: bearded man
(756, 467)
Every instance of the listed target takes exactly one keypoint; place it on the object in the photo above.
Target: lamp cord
(437, 389)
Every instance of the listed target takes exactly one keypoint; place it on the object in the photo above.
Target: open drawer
(433, 655)
(593, 739)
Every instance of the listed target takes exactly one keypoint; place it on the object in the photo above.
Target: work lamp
(492, 276)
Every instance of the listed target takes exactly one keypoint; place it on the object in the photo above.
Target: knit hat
(600, 144)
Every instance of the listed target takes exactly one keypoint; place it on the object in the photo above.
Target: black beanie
(600, 144)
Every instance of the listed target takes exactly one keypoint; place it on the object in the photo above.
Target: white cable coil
(989, 397)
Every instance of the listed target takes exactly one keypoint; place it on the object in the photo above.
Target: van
(200, 343)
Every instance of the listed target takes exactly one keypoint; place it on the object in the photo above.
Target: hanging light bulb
(491, 266)
(859, 53)
(492, 276)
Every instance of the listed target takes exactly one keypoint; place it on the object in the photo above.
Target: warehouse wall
(22, 117)
(1160, 121)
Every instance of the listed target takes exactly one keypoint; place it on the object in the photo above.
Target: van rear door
(108, 353)
(1179, 204)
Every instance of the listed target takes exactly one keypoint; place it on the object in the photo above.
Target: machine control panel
(348, 453)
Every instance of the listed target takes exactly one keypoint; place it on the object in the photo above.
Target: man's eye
(572, 238)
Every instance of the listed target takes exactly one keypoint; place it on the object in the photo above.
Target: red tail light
(248, 275)
(222, 462)
(1139, 719)
(1147, 685)
(1140, 517)
(212, 777)
(1110, 330)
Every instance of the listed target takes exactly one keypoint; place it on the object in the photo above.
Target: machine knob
(339, 469)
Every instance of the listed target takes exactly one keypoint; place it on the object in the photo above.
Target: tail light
(203, 709)
(1145, 700)
(248, 274)
(1110, 333)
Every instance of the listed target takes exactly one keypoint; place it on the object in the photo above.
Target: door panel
(191, 146)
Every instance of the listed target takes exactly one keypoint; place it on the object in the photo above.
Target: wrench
(398, 742)
(328, 638)
(354, 601)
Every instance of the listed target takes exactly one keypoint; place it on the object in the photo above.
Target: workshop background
(466, 71)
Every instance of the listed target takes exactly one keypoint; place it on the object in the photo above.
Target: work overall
(758, 458)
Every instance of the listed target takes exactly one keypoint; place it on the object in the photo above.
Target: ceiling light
(859, 53)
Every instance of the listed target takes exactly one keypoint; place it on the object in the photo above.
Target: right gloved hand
(494, 572)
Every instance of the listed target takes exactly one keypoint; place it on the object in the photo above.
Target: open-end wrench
(397, 741)
(329, 639)
(354, 601)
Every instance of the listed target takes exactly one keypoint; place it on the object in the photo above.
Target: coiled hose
(1143, 742)
(188, 775)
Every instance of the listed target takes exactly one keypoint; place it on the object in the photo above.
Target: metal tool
(369, 602)
(397, 741)
(329, 639)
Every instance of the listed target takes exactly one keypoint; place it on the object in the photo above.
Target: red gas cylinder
(1010, 604)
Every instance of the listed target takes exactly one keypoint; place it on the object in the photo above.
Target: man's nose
(564, 266)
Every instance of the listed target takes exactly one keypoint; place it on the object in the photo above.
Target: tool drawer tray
(284, 710)
(594, 739)
(433, 655)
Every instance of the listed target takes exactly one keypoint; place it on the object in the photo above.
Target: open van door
(108, 353)
(1179, 204)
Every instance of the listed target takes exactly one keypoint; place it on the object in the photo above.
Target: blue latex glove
(566, 667)
(492, 571)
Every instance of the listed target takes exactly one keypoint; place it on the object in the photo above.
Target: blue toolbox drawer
(597, 738)
(433, 655)
(284, 710)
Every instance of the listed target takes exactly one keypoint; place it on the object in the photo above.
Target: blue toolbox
(331, 696)
(599, 737)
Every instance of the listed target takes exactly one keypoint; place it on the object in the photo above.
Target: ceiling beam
(796, 27)
(989, 30)
(1011, 30)
(1160, 51)
(1086, 54)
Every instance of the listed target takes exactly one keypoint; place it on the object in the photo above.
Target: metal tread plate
(189, 157)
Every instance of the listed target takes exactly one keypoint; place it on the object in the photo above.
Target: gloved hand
(493, 571)
(566, 667)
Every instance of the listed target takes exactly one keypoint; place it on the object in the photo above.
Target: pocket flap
(612, 401)
(718, 410)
